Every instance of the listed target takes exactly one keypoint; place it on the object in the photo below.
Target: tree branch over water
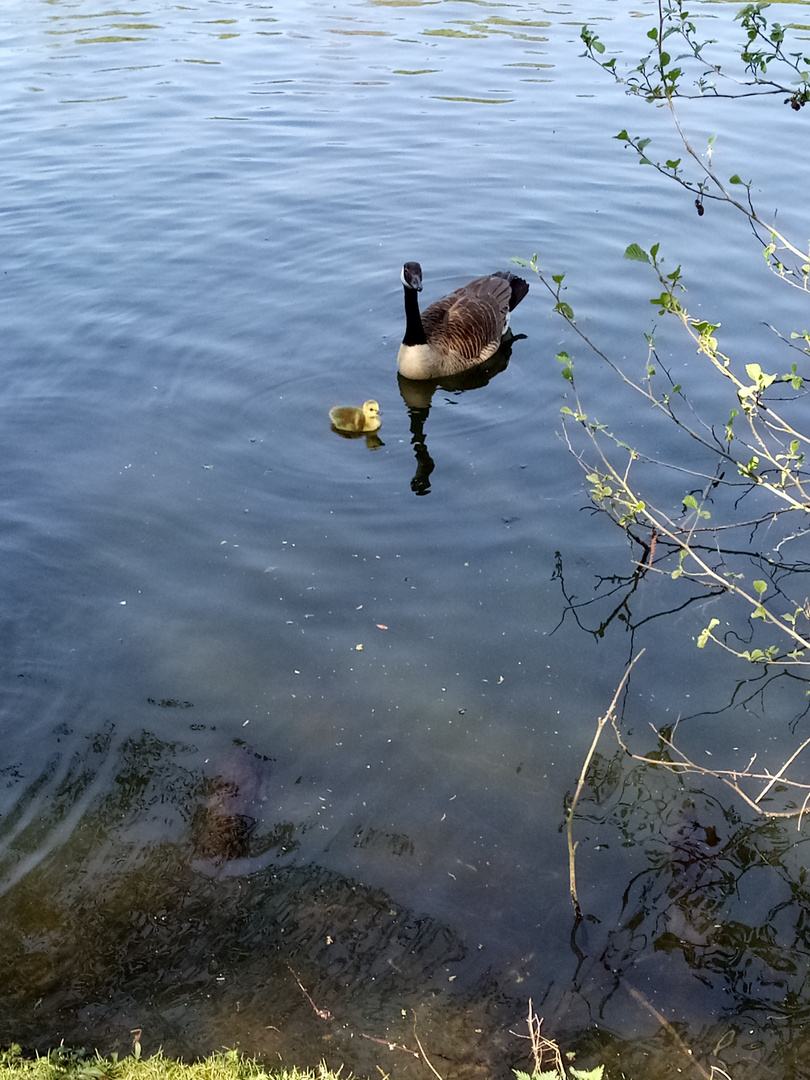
(752, 455)
(659, 79)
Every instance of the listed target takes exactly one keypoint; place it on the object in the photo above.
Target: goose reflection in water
(418, 396)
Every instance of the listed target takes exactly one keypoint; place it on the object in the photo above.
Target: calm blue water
(205, 209)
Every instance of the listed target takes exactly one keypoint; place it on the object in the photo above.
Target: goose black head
(412, 276)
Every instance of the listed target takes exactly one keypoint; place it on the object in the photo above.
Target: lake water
(289, 720)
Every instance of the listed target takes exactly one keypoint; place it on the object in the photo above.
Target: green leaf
(690, 501)
(588, 1074)
(735, 179)
(708, 328)
(568, 368)
(636, 253)
(756, 656)
(760, 586)
(706, 633)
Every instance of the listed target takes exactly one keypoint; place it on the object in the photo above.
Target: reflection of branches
(749, 692)
(733, 778)
(623, 586)
(718, 900)
(670, 757)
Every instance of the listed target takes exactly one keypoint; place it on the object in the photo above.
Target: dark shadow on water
(182, 901)
(418, 396)
(178, 908)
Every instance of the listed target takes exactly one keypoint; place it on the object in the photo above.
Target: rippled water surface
(289, 719)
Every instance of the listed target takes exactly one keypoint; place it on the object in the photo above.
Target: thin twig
(729, 777)
(422, 1049)
(774, 779)
(323, 1013)
(662, 1020)
(572, 847)
(389, 1044)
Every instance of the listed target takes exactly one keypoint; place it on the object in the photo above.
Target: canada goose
(352, 418)
(459, 331)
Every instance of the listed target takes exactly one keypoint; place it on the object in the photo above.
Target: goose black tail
(519, 287)
(519, 290)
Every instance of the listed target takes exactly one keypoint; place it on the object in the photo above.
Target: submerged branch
(600, 723)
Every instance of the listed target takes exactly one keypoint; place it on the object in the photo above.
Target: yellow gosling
(352, 418)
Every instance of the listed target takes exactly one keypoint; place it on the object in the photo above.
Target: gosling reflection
(418, 396)
(373, 440)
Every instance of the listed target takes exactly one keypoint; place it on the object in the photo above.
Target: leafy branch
(759, 454)
(660, 79)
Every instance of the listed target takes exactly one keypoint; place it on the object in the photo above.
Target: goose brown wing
(469, 322)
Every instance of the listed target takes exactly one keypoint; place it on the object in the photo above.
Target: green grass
(65, 1064)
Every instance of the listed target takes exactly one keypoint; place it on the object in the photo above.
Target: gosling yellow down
(352, 418)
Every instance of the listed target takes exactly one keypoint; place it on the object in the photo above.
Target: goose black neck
(414, 331)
